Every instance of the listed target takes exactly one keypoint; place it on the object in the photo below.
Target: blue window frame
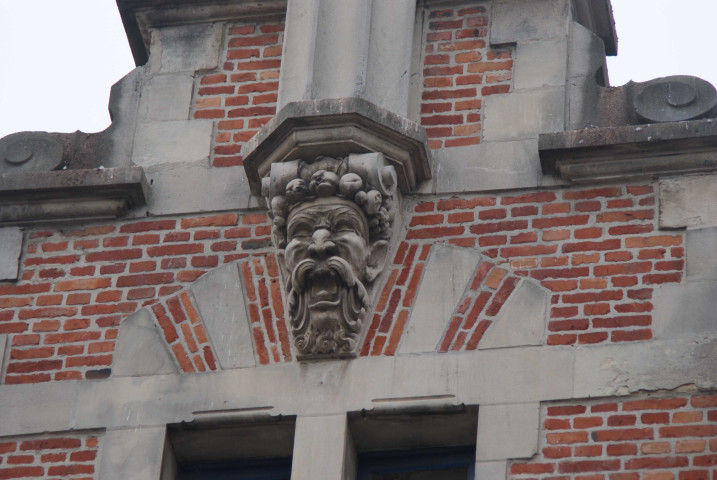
(254, 470)
(425, 464)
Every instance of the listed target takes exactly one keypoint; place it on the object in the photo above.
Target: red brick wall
(596, 250)
(667, 438)
(241, 95)
(67, 456)
(459, 70)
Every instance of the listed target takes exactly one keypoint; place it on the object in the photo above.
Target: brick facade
(647, 438)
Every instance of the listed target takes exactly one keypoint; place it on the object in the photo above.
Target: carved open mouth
(324, 290)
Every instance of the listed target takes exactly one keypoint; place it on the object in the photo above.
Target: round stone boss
(675, 98)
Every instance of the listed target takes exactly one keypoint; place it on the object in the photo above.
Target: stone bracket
(336, 128)
(637, 151)
(71, 194)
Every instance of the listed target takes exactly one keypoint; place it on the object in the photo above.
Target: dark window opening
(257, 470)
(456, 463)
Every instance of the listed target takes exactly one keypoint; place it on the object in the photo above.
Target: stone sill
(70, 194)
(627, 152)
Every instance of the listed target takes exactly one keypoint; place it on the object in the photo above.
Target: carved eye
(345, 225)
(299, 230)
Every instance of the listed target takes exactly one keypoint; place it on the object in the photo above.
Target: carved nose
(321, 246)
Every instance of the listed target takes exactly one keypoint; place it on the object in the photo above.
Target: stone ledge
(71, 194)
(338, 127)
(626, 152)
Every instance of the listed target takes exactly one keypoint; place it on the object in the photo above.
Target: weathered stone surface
(515, 20)
(688, 201)
(522, 319)
(197, 187)
(541, 64)
(674, 99)
(3, 344)
(10, 250)
(166, 97)
(141, 350)
(30, 152)
(336, 128)
(134, 453)
(25, 407)
(523, 115)
(700, 252)
(659, 365)
(491, 470)
(71, 194)
(487, 166)
(177, 141)
(322, 449)
(686, 310)
(185, 48)
(446, 276)
(220, 298)
(507, 431)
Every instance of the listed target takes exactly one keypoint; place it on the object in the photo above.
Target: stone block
(447, 274)
(507, 431)
(688, 201)
(522, 115)
(488, 166)
(197, 187)
(491, 470)
(516, 20)
(166, 97)
(220, 298)
(10, 250)
(522, 319)
(177, 141)
(141, 350)
(135, 453)
(686, 310)
(701, 257)
(3, 345)
(115, 150)
(541, 64)
(25, 407)
(322, 449)
(185, 48)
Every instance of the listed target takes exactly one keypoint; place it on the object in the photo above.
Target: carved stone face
(328, 261)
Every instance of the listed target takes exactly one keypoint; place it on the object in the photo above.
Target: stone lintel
(71, 194)
(140, 16)
(338, 127)
(618, 153)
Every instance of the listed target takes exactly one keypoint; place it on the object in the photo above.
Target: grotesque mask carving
(332, 219)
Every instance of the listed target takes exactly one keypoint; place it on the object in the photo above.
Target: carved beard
(326, 301)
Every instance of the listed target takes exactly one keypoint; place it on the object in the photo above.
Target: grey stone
(30, 152)
(674, 99)
(197, 187)
(11, 242)
(516, 20)
(596, 15)
(507, 431)
(541, 64)
(487, 166)
(686, 310)
(523, 115)
(586, 56)
(446, 276)
(3, 345)
(167, 97)
(185, 48)
(321, 448)
(700, 251)
(114, 148)
(24, 407)
(135, 453)
(295, 80)
(220, 298)
(141, 349)
(522, 319)
(71, 194)
(688, 201)
(336, 128)
(657, 365)
(491, 470)
(176, 141)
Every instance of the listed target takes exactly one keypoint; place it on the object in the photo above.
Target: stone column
(337, 49)
(323, 448)
(132, 453)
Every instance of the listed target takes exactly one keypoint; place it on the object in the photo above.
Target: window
(423, 464)
(258, 470)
